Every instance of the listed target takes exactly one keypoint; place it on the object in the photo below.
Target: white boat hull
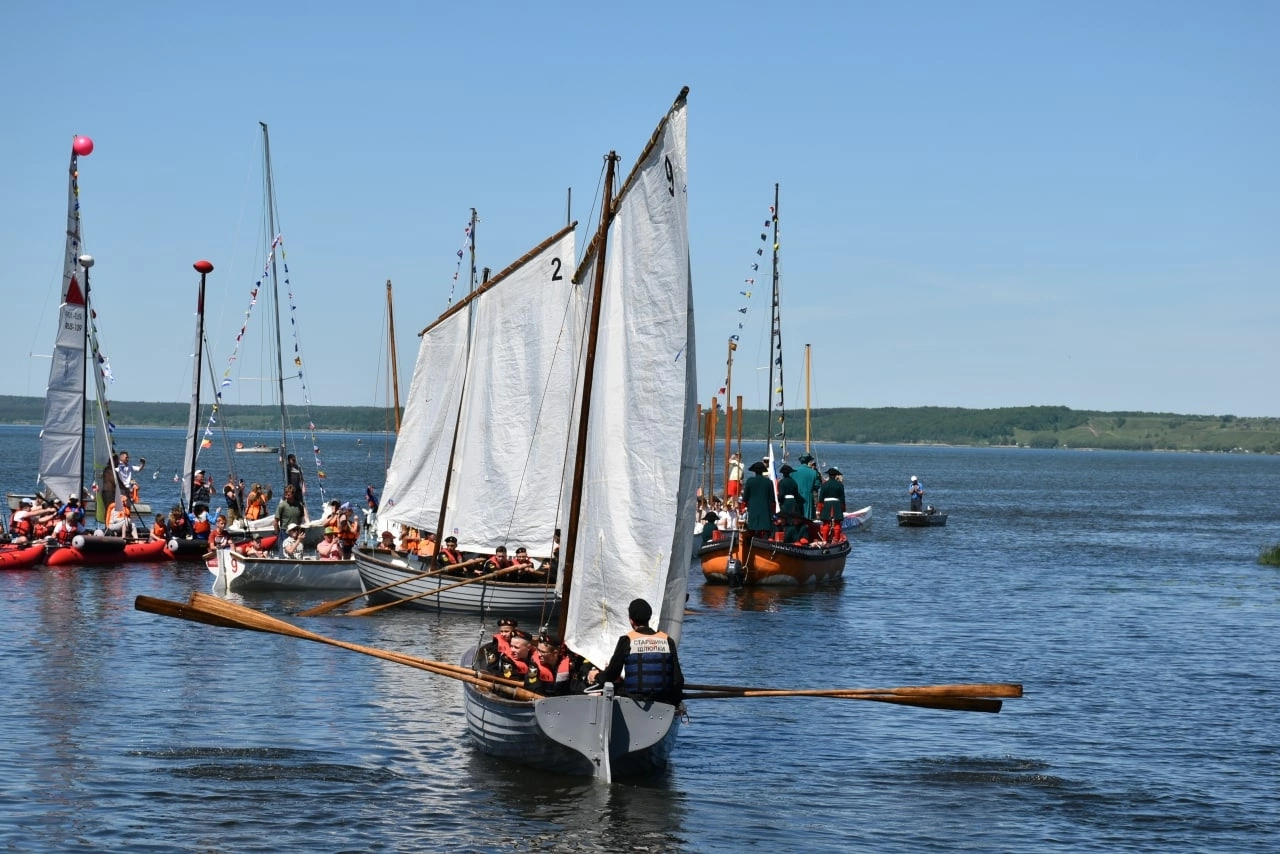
(857, 519)
(378, 568)
(235, 572)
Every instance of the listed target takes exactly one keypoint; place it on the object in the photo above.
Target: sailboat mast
(275, 297)
(808, 373)
(474, 219)
(775, 355)
(588, 381)
(193, 442)
(395, 372)
(729, 414)
(85, 262)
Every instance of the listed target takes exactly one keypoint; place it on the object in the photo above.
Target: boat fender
(172, 545)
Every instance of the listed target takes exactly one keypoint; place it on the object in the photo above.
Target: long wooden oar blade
(326, 607)
(948, 704)
(373, 609)
(166, 608)
(980, 689)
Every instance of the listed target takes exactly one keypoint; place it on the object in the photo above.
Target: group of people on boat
(516, 566)
(644, 664)
(800, 508)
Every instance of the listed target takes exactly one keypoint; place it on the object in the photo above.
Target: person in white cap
(917, 494)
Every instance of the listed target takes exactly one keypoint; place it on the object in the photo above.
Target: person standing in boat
(645, 660)
(832, 514)
(789, 500)
(758, 495)
(294, 479)
(917, 494)
(289, 512)
(201, 489)
(124, 475)
(808, 479)
(733, 486)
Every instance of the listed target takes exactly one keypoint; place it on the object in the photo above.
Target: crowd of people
(517, 566)
(644, 664)
(800, 508)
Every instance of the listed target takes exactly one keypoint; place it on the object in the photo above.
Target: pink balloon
(82, 146)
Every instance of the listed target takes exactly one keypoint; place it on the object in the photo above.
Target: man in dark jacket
(758, 495)
(646, 661)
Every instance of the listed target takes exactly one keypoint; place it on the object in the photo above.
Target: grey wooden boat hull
(585, 735)
(378, 568)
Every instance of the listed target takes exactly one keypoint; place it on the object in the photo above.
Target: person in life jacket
(119, 522)
(26, 522)
(179, 524)
(515, 664)
(449, 555)
(498, 561)
(160, 529)
(256, 504)
(201, 527)
(548, 668)
(67, 529)
(489, 654)
(348, 530)
(645, 660)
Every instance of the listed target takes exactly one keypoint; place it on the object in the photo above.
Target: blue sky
(983, 204)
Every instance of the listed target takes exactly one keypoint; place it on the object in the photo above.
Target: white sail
(513, 431)
(635, 528)
(415, 478)
(62, 438)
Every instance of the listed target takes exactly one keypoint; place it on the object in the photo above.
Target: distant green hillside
(1030, 426)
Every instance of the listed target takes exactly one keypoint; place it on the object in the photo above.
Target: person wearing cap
(733, 484)
(808, 479)
(449, 555)
(549, 667)
(500, 645)
(293, 545)
(832, 514)
(527, 571)
(916, 491)
(514, 664)
(758, 496)
(289, 512)
(709, 522)
(645, 661)
(329, 548)
(789, 501)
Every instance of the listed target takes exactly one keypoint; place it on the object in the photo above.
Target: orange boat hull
(767, 562)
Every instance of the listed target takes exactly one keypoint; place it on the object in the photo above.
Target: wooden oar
(373, 609)
(950, 704)
(982, 689)
(203, 608)
(326, 607)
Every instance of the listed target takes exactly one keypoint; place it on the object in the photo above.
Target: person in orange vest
(548, 668)
(119, 522)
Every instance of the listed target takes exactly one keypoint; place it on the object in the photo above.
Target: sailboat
(62, 438)
(633, 476)
(233, 570)
(482, 447)
(770, 561)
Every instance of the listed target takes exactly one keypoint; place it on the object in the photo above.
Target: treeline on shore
(1022, 426)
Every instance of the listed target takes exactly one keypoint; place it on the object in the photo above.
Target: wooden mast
(588, 380)
(729, 414)
(807, 374)
(395, 371)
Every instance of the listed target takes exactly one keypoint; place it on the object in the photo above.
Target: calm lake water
(1121, 589)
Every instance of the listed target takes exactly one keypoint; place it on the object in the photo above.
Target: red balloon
(82, 146)
(203, 267)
